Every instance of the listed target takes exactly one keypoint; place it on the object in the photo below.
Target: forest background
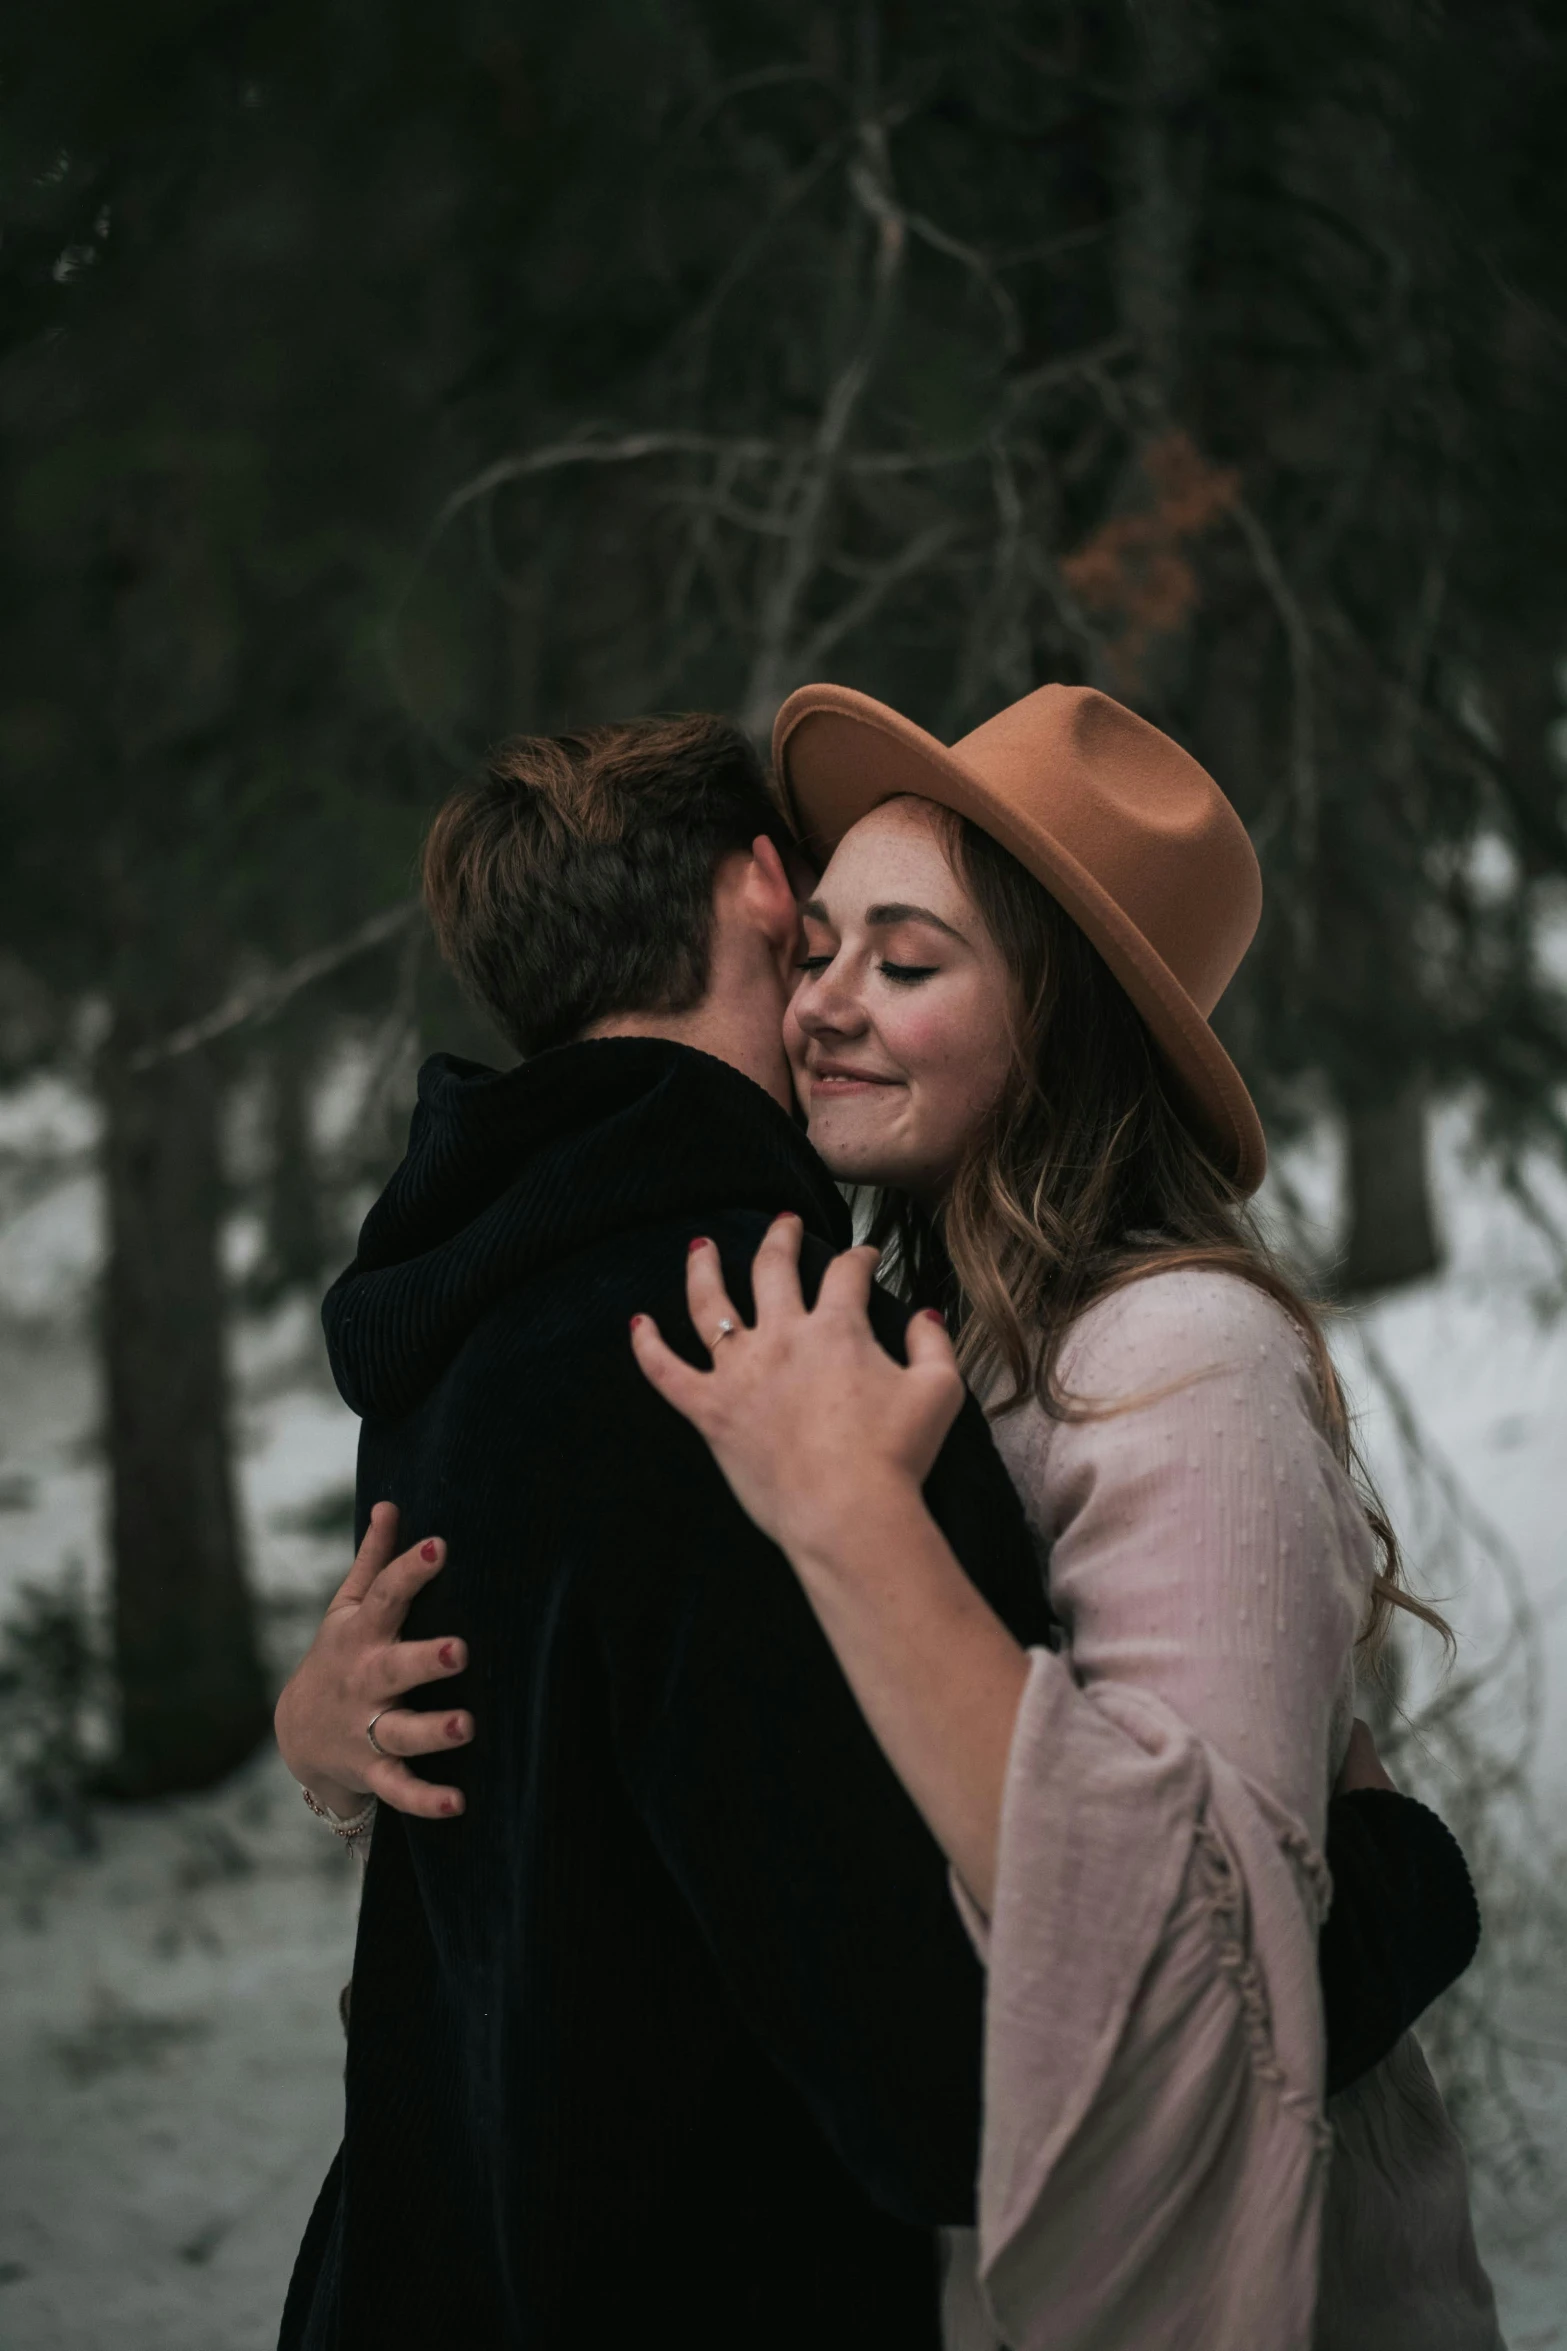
(376, 381)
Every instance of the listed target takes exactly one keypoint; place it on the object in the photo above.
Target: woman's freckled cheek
(939, 1063)
(936, 1046)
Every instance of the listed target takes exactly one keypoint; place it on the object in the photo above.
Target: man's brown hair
(573, 878)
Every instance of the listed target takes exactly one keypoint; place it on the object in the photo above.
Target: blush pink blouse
(1158, 2172)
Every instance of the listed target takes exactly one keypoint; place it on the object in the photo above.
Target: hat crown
(1119, 824)
(1141, 818)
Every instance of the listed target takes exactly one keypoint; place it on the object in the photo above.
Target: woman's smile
(828, 1078)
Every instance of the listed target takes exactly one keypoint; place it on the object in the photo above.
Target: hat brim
(839, 754)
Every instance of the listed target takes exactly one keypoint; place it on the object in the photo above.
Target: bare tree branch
(1303, 783)
(725, 508)
(870, 183)
(267, 996)
(586, 449)
(1085, 366)
(762, 77)
(794, 192)
(983, 272)
(1047, 248)
(394, 1046)
(1406, 695)
(856, 610)
(1516, 1647)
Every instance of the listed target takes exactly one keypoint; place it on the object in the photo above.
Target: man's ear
(769, 893)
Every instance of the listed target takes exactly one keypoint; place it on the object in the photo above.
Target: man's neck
(748, 1037)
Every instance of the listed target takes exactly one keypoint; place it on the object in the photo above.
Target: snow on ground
(1481, 1356)
(170, 2067)
(170, 2056)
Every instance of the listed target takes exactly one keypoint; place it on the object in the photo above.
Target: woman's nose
(828, 1005)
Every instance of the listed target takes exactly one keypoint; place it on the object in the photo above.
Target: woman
(1068, 1195)
(1002, 1028)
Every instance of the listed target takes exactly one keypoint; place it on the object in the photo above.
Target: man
(675, 2030)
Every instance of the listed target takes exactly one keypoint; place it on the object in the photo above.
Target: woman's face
(897, 1034)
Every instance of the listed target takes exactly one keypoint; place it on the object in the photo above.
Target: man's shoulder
(552, 1360)
(636, 1271)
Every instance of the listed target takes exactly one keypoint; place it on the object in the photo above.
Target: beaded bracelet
(355, 1824)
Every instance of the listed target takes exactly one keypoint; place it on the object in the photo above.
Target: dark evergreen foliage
(379, 380)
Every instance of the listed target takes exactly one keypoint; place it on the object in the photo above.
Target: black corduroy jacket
(676, 2030)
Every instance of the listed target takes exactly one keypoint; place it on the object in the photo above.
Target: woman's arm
(849, 1438)
(356, 1669)
(937, 1675)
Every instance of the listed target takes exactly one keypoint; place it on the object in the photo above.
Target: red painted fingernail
(448, 1805)
(701, 1242)
(454, 1726)
(447, 1653)
(637, 1320)
(429, 1551)
(934, 1314)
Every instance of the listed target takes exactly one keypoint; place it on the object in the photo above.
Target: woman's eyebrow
(883, 917)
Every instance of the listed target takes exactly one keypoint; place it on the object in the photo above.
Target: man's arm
(1403, 1926)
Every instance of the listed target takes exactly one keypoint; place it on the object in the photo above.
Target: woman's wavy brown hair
(1086, 1177)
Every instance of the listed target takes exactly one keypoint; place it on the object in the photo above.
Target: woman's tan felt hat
(1121, 826)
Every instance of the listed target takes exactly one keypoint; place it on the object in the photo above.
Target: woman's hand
(809, 1418)
(357, 1668)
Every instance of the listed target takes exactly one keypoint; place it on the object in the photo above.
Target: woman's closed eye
(903, 975)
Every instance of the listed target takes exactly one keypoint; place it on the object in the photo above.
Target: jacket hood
(508, 1172)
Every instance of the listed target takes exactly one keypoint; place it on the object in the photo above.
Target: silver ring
(370, 1733)
(725, 1330)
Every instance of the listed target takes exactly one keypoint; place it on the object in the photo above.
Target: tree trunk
(1159, 174)
(1392, 1229)
(193, 1699)
(1160, 167)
